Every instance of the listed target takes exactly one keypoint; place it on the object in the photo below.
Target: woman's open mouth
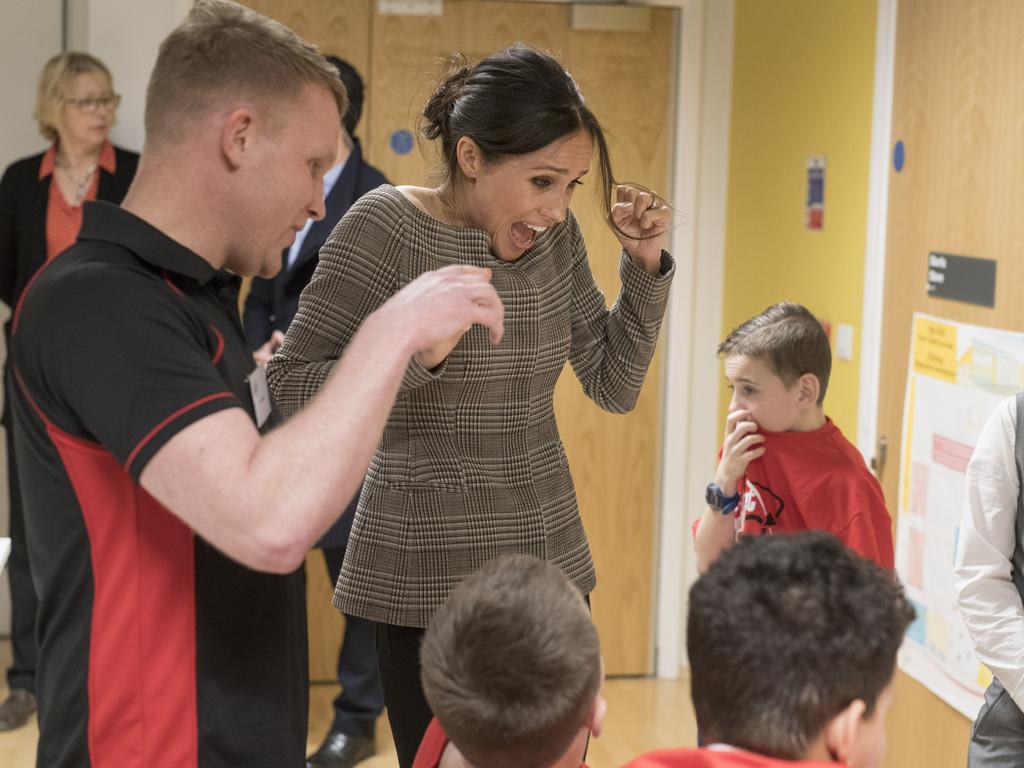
(523, 234)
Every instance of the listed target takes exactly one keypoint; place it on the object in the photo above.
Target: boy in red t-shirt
(792, 642)
(784, 465)
(511, 668)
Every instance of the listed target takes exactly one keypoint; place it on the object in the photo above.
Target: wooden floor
(642, 715)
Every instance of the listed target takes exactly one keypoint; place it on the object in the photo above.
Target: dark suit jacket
(271, 304)
(23, 200)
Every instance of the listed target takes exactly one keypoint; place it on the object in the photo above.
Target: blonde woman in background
(41, 200)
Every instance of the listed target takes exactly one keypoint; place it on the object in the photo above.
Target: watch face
(713, 496)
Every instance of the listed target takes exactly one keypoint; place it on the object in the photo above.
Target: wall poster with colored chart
(958, 373)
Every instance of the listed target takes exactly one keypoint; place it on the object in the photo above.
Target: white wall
(695, 314)
(30, 33)
(125, 34)
(706, 322)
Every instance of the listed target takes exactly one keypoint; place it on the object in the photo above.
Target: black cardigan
(23, 200)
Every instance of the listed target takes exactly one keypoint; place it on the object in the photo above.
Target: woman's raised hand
(642, 220)
(438, 307)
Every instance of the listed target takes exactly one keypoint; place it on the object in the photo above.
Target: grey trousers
(997, 737)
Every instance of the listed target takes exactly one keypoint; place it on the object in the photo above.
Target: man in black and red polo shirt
(165, 531)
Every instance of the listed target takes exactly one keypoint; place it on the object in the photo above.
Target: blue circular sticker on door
(401, 142)
(899, 156)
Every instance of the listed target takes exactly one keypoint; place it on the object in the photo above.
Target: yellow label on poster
(984, 677)
(935, 349)
(937, 631)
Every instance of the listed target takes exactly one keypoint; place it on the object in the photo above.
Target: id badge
(260, 395)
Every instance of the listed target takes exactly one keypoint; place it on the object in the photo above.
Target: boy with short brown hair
(511, 668)
(784, 465)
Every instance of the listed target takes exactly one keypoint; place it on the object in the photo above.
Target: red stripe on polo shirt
(142, 648)
(28, 396)
(184, 409)
(220, 344)
(167, 279)
(24, 293)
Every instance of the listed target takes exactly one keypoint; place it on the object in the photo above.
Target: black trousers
(398, 653)
(24, 603)
(361, 699)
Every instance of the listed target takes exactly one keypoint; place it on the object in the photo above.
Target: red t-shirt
(433, 745)
(816, 481)
(718, 758)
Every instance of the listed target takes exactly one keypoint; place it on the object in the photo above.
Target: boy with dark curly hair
(792, 643)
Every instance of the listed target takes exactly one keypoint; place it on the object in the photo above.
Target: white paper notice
(958, 374)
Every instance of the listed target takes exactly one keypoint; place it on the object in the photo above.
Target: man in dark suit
(269, 309)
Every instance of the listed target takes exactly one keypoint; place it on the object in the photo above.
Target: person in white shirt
(990, 583)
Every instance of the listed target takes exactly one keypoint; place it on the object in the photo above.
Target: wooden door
(958, 106)
(626, 78)
(339, 27)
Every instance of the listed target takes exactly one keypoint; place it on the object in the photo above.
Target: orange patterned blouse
(63, 220)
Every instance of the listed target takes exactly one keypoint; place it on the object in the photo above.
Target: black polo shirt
(155, 649)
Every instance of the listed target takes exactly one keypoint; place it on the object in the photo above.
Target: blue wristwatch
(718, 500)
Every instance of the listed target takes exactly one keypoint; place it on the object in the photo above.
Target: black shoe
(340, 750)
(16, 709)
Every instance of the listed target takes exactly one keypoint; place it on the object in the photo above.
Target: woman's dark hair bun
(513, 102)
(437, 112)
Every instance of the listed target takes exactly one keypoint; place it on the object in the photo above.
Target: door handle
(878, 460)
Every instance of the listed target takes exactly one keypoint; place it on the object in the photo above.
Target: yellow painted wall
(802, 85)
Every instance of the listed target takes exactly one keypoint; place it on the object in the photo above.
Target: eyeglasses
(93, 103)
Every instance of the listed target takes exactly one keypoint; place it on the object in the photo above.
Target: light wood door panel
(958, 106)
(625, 77)
(408, 58)
(338, 27)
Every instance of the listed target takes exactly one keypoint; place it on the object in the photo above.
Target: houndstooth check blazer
(470, 465)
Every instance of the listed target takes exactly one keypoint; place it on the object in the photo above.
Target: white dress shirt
(989, 601)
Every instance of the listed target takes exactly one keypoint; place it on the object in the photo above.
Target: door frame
(877, 226)
(703, 96)
(693, 325)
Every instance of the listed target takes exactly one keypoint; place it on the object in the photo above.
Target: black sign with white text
(962, 278)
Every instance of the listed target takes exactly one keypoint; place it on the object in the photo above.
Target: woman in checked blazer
(471, 465)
